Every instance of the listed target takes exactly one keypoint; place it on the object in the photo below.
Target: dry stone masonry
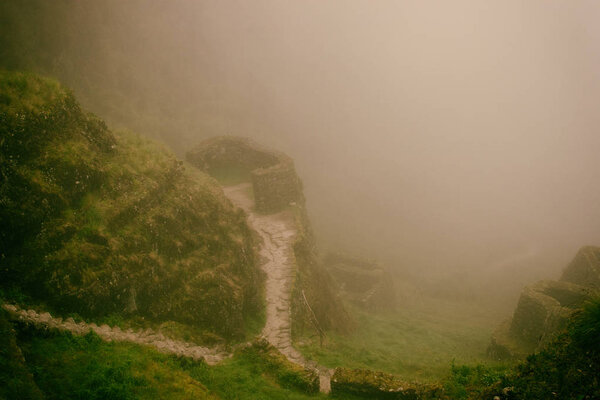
(273, 176)
(544, 307)
(363, 282)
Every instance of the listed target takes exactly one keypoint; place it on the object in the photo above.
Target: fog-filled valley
(415, 175)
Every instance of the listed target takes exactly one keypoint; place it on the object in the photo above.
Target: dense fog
(452, 139)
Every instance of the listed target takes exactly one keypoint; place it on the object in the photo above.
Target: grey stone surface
(273, 176)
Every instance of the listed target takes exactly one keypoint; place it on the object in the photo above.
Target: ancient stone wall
(275, 182)
(545, 307)
(362, 282)
(585, 267)
(276, 187)
(360, 383)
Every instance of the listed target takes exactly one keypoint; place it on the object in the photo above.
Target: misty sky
(434, 134)
(449, 135)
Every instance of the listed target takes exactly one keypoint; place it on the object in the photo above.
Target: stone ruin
(363, 282)
(275, 182)
(545, 307)
(585, 268)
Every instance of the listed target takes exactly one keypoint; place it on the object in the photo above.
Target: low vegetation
(566, 369)
(107, 223)
(71, 367)
(419, 341)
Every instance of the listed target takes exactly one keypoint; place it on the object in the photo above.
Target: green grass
(418, 342)
(229, 176)
(96, 221)
(68, 367)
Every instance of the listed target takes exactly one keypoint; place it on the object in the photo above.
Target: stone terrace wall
(273, 175)
(360, 383)
(545, 307)
(585, 268)
(276, 187)
(362, 282)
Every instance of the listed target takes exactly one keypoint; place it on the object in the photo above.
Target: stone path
(163, 344)
(278, 232)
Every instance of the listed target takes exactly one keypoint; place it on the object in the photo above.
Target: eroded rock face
(363, 282)
(585, 268)
(545, 307)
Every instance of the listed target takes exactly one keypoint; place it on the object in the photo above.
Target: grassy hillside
(419, 341)
(61, 366)
(106, 223)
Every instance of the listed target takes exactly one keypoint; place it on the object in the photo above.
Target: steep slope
(99, 222)
(275, 187)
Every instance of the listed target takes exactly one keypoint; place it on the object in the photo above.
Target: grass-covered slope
(60, 366)
(97, 222)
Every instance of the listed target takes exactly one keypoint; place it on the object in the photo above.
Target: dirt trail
(278, 232)
(163, 344)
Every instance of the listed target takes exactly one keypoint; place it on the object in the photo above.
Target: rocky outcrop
(585, 268)
(544, 309)
(362, 282)
(273, 176)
